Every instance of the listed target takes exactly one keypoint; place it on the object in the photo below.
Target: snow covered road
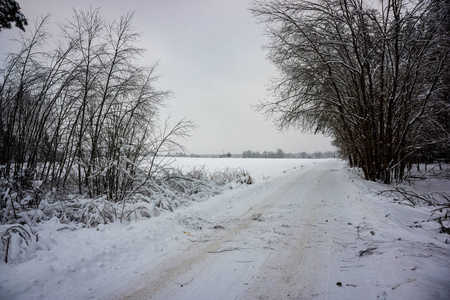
(307, 235)
(279, 248)
(314, 230)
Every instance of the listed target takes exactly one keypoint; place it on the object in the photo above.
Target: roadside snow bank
(392, 250)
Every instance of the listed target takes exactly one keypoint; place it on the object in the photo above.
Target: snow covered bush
(166, 192)
(15, 241)
(22, 225)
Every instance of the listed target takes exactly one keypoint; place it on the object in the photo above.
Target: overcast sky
(210, 57)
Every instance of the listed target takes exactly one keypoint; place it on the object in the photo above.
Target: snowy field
(307, 229)
(260, 169)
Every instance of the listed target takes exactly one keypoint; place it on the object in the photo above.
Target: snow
(260, 168)
(306, 229)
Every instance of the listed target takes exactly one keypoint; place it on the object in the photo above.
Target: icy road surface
(310, 234)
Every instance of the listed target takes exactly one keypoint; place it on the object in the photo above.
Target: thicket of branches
(373, 75)
(80, 114)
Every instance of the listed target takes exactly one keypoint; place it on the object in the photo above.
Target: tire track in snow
(301, 270)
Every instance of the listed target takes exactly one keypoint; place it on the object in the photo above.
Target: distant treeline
(281, 154)
(266, 154)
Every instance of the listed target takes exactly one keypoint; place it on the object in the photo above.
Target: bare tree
(365, 75)
(85, 114)
(23, 83)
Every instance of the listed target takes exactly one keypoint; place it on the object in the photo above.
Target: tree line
(281, 154)
(266, 154)
(81, 113)
(374, 76)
